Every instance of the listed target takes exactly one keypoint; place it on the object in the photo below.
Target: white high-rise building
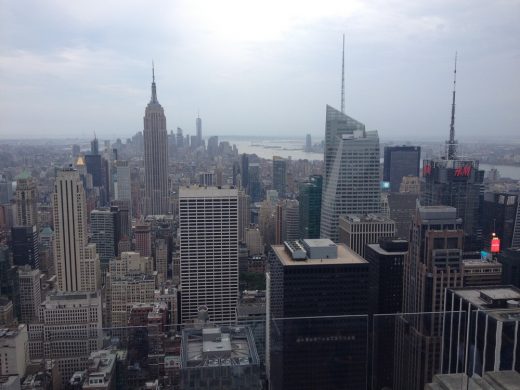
(70, 328)
(155, 157)
(208, 229)
(26, 201)
(76, 262)
(351, 184)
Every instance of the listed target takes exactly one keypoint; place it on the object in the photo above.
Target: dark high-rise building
(9, 278)
(280, 175)
(94, 146)
(456, 183)
(255, 189)
(385, 291)
(316, 278)
(155, 157)
(213, 146)
(510, 260)
(244, 170)
(310, 206)
(432, 264)
(94, 166)
(400, 161)
(105, 234)
(25, 246)
(499, 217)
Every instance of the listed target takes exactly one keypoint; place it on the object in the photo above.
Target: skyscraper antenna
(452, 143)
(153, 72)
(343, 78)
(154, 89)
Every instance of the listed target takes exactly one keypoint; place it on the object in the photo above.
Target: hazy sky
(69, 68)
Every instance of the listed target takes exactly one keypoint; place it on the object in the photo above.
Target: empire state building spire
(452, 143)
(154, 88)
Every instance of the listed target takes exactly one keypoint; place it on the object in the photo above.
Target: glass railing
(381, 351)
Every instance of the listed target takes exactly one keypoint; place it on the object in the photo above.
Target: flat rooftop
(377, 248)
(345, 256)
(206, 192)
(360, 218)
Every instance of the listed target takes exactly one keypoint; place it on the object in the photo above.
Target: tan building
(161, 260)
(70, 328)
(14, 351)
(77, 266)
(411, 184)
(26, 201)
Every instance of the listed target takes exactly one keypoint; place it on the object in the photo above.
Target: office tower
(280, 175)
(510, 260)
(30, 294)
(308, 143)
(6, 190)
(94, 145)
(356, 231)
(400, 161)
(351, 184)
(14, 356)
(254, 242)
(432, 264)
(76, 261)
(499, 216)
(481, 272)
(411, 184)
(208, 249)
(255, 189)
(9, 278)
(6, 312)
(485, 338)
(198, 126)
(401, 207)
(316, 278)
(213, 146)
(244, 214)
(26, 201)
(237, 178)
(310, 206)
(385, 260)
(267, 222)
(155, 156)
(219, 358)
(456, 182)
(219, 176)
(180, 138)
(93, 163)
(143, 239)
(515, 242)
(123, 184)
(25, 246)
(105, 234)
(244, 170)
(161, 259)
(70, 329)
(287, 221)
(123, 218)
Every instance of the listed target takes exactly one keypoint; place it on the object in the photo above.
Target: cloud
(254, 66)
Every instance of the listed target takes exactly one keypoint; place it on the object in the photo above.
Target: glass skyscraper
(351, 183)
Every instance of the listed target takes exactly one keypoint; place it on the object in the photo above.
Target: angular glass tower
(351, 183)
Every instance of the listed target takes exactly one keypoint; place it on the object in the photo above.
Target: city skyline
(83, 75)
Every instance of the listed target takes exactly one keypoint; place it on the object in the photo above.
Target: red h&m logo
(427, 170)
(463, 171)
(495, 245)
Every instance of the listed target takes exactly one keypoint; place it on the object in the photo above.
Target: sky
(72, 68)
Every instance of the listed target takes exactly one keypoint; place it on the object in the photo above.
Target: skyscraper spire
(154, 89)
(343, 78)
(452, 143)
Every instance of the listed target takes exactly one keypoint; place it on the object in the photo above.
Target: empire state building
(155, 157)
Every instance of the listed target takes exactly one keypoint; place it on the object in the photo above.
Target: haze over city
(68, 69)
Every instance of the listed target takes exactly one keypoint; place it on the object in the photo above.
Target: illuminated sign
(495, 245)
(427, 170)
(464, 171)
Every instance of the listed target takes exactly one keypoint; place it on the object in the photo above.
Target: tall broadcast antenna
(343, 78)
(452, 143)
